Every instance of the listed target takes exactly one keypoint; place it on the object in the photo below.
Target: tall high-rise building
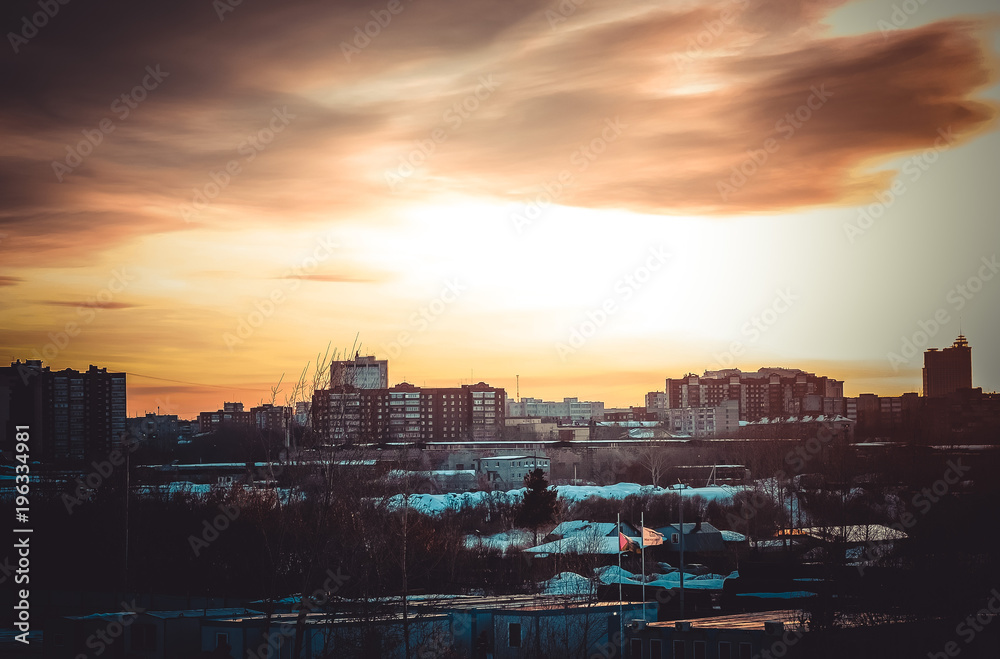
(72, 415)
(948, 370)
(360, 373)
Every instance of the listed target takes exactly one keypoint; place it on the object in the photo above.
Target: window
(745, 652)
(221, 639)
(699, 650)
(635, 649)
(514, 635)
(675, 538)
(655, 649)
(725, 650)
(678, 649)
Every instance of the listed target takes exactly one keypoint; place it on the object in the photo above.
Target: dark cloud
(693, 106)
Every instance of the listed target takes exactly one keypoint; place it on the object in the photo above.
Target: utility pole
(682, 548)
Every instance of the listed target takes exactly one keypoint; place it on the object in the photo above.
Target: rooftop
(744, 621)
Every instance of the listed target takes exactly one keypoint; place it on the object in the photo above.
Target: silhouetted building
(231, 414)
(948, 370)
(408, 413)
(884, 416)
(630, 414)
(769, 392)
(71, 415)
(271, 419)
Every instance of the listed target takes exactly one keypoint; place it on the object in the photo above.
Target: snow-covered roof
(567, 583)
(585, 527)
(857, 533)
(580, 544)
(689, 528)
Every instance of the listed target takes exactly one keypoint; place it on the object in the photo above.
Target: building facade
(72, 415)
(721, 420)
(769, 392)
(360, 373)
(271, 419)
(510, 469)
(948, 370)
(231, 413)
(406, 413)
(570, 410)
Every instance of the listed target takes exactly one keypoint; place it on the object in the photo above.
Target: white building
(570, 409)
(722, 420)
(511, 469)
(361, 372)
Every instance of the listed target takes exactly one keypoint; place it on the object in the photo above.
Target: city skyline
(593, 197)
(170, 405)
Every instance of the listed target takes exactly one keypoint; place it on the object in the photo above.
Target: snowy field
(437, 503)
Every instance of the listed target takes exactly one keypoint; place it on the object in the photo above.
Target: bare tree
(655, 460)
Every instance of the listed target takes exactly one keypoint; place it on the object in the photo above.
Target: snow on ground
(612, 574)
(691, 581)
(515, 538)
(434, 504)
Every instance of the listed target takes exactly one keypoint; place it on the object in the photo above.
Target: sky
(589, 195)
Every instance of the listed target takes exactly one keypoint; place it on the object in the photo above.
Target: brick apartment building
(72, 415)
(407, 413)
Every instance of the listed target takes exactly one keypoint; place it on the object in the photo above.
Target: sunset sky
(472, 187)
